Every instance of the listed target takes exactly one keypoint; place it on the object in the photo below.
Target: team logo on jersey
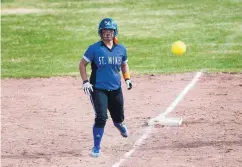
(113, 60)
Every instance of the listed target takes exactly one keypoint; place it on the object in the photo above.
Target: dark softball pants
(103, 100)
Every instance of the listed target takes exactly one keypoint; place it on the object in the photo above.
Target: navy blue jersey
(106, 65)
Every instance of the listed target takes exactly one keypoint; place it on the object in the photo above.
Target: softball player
(107, 58)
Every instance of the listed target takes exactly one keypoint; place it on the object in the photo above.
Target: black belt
(108, 90)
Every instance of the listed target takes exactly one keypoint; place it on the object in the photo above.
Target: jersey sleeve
(89, 54)
(125, 57)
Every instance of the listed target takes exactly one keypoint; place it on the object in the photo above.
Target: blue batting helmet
(108, 23)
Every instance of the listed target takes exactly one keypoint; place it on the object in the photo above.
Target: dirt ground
(48, 123)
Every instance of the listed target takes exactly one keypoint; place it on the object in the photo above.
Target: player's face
(107, 34)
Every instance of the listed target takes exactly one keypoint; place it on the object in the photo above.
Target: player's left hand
(129, 84)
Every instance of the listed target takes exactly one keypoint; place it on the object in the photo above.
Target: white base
(166, 121)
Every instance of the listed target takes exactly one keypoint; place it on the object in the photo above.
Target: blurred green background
(51, 41)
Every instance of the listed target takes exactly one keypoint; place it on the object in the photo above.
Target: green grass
(52, 42)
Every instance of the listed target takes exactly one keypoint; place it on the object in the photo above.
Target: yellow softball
(178, 48)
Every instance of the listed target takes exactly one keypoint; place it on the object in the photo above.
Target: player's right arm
(87, 87)
(82, 68)
(87, 58)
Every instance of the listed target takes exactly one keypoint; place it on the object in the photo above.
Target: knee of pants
(100, 122)
(118, 119)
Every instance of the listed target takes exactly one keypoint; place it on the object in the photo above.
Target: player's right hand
(87, 87)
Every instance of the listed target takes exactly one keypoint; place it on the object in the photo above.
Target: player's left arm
(126, 74)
